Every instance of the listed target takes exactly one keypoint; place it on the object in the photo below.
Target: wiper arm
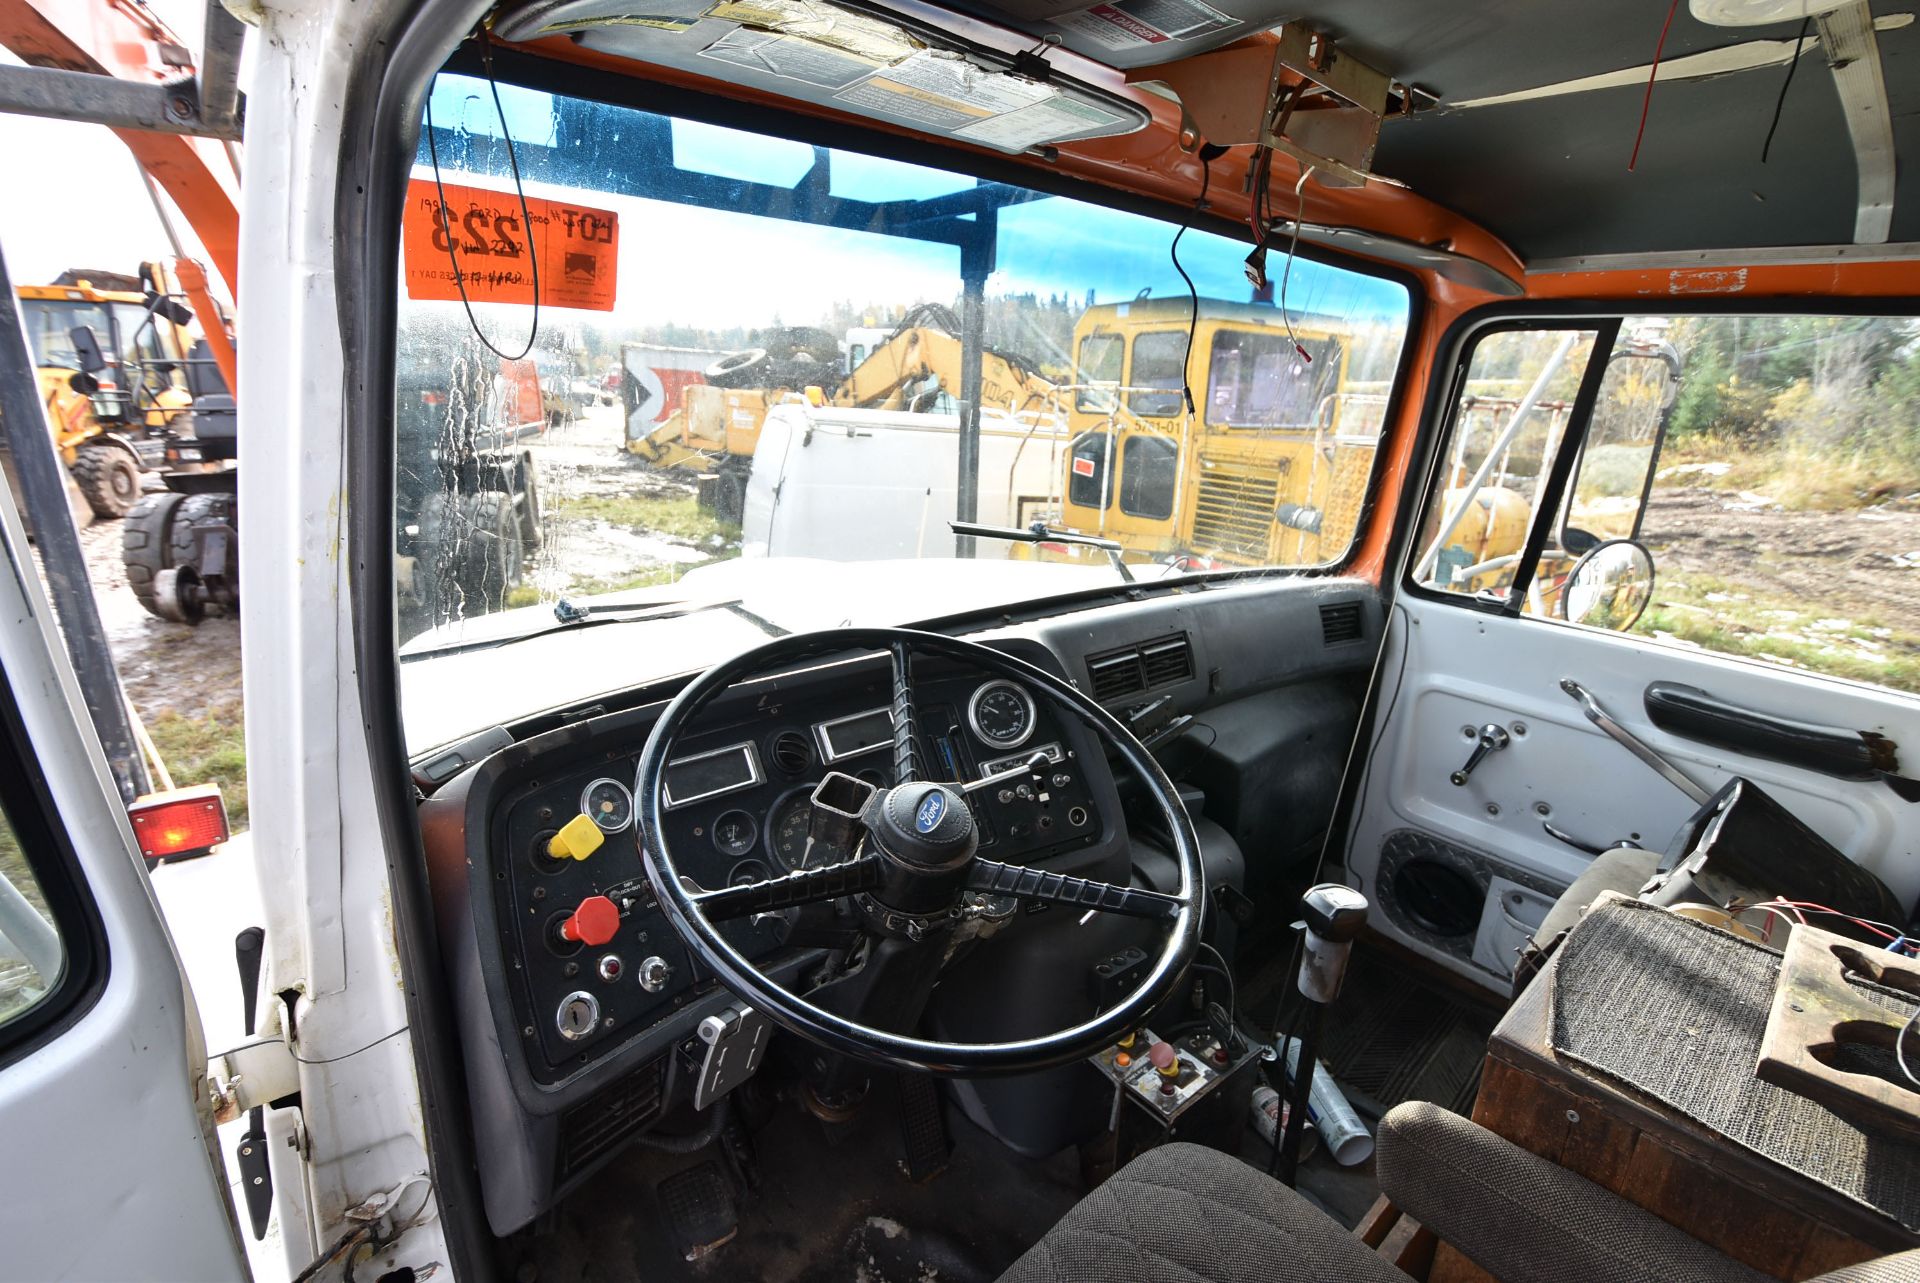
(1041, 532)
(581, 615)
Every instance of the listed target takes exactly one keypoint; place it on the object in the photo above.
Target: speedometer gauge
(609, 803)
(787, 829)
(1002, 714)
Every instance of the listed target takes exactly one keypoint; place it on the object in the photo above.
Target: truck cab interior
(950, 905)
(1360, 726)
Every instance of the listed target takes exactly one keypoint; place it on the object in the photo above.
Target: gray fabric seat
(1622, 869)
(1183, 1214)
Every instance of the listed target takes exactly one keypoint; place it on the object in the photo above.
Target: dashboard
(575, 1040)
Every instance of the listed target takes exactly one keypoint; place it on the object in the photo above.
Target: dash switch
(577, 839)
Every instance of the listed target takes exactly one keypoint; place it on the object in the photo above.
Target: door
(110, 1170)
(1728, 449)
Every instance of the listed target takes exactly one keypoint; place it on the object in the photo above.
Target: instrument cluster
(591, 957)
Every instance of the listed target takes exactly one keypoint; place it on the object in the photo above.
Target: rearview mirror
(86, 349)
(1609, 587)
(170, 309)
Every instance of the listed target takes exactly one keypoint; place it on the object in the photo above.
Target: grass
(676, 517)
(1732, 619)
(204, 750)
(1798, 477)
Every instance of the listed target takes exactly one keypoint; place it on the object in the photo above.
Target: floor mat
(1393, 1036)
(832, 1206)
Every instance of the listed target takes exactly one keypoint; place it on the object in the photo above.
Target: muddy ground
(1862, 564)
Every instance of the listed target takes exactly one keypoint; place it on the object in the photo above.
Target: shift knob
(1335, 912)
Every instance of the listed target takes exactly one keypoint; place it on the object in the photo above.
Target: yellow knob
(579, 838)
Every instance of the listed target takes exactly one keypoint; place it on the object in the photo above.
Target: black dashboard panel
(547, 1108)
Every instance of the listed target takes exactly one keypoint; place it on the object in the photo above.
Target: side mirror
(86, 349)
(83, 383)
(1609, 587)
(170, 309)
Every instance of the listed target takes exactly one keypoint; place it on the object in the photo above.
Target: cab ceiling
(1550, 174)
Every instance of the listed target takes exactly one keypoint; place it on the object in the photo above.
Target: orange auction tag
(578, 248)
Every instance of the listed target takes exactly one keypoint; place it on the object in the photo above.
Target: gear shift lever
(1334, 914)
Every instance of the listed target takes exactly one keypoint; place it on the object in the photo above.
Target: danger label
(481, 240)
(1124, 24)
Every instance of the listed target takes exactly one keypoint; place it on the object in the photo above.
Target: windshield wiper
(580, 614)
(1041, 532)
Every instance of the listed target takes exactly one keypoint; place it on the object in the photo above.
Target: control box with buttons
(1191, 1088)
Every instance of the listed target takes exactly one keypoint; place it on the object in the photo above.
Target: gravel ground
(165, 667)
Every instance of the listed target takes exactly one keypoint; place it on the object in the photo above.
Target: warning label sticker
(577, 248)
(878, 42)
(1128, 24)
(1051, 120)
(792, 57)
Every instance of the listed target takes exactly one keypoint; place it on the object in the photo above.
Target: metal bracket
(254, 1073)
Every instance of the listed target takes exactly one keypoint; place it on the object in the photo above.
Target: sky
(93, 211)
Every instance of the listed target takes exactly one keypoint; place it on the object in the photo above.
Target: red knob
(594, 923)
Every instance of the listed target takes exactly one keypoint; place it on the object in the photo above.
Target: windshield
(50, 327)
(768, 374)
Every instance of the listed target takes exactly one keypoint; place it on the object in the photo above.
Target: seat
(1183, 1214)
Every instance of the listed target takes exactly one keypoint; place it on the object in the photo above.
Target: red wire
(1796, 905)
(1646, 103)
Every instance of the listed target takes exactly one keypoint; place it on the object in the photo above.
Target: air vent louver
(597, 1125)
(791, 752)
(1167, 661)
(1132, 670)
(1340, 623)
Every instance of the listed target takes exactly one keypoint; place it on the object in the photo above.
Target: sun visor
(1129, 34)
(834, 55)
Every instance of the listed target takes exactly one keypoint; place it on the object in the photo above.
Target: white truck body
(826, 479)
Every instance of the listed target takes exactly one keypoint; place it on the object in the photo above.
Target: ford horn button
(927, 818)
(925, 824)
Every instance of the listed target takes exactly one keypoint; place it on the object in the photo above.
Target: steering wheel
(907, 857)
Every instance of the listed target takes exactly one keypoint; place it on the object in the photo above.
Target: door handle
(1633, 743)
(1493, 738)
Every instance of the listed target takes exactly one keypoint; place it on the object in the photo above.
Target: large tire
(533, 531)
(745, 369)
(495, 552)
(109, 477)
(207, 510)
(146, 543)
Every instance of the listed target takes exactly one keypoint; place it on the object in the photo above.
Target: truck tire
(109, 477)
(146, 543)
(495, 553)
(744, 369)
(202, 510)
(533, 530)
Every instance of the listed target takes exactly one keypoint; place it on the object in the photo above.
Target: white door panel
(1464, 668)
(108, 1171)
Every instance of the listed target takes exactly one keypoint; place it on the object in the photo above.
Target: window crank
(1493, 737)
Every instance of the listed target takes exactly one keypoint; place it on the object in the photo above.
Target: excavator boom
(882, 381)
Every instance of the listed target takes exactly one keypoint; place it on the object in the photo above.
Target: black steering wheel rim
(848, 1037)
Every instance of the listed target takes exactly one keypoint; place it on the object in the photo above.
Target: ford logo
(932, 807)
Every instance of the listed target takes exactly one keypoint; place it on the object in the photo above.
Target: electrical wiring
(1900, 1046)
(1653, 74)
(1886, 931)
(526, 215)
(1806, 24)
(1293, 248)
(1193, 293)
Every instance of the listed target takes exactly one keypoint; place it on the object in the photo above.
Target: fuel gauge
(609, 803)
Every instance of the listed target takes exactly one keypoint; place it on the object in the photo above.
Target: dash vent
(1340, 623)
(596, 1126)
(1132, 670)
(791, 752)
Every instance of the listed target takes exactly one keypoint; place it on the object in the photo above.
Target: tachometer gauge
(609, 803)
(1002, 714)
(787, 829)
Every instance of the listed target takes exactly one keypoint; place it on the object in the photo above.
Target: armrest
(1525, 1219)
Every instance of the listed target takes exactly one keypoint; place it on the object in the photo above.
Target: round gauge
(874, 776)
(609, 803)
(1002, 714)
(735, 833)
(787, 829)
